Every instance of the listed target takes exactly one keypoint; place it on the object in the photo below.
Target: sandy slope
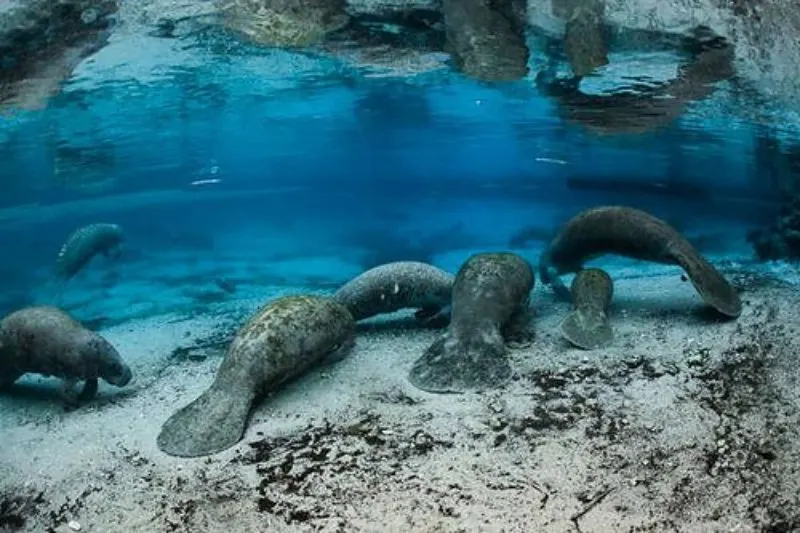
(684, 424)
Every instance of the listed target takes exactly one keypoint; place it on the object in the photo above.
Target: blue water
(337, 173)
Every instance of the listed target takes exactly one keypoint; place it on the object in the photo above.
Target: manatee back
(83, 244)
(283, 339)
(490, 288)
(615, 230)
(394, 286)
(592, 288)
(46, 340)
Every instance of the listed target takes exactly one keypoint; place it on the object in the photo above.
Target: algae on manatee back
(280, 341)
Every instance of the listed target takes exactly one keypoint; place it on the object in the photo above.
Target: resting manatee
(489, 307)
(399, 285)
(636, 234)
(587, 326)
(47, 341)
(280, 342)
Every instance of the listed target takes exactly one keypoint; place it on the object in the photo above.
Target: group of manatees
(485, 306)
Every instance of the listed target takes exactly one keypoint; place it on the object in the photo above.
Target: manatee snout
(109, 362)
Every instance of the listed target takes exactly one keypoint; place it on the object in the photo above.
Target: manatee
(279, 342)
(46, 340)
(81, 247)
(587, 326)
(635, 234)
(489, 309)
(399, 285)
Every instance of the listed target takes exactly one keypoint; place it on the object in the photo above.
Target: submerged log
(41, 43)
(486, 38)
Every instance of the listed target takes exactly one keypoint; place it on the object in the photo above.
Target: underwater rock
(81, 247)
(636, 234)
(46, 340)
(487, 39)
(279, 342)
(42, 41)
(489, 308)
(585, 39)
(399, 285)
(711, 61)
(587, 326)
(285, 22)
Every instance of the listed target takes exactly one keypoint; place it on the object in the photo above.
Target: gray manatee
(281, 341)
(588, 326)
(489, 309)
(399, 285)
(635, 234)
(81, 247)
(46, 340)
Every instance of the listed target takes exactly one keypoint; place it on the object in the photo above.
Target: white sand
(683, 424)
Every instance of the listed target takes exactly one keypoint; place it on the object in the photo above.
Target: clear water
(319, 157)
(293, 170)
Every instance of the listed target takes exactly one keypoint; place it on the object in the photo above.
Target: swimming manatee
(81, 247)
(587, 326)
(489, 309)
(46, 340)
(398, 285)
(635, 234)
(280, 341)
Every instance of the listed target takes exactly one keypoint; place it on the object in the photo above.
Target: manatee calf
(46, 340)
(399, 285)
(587, 326)
(281, 341)
(635, 234)
(489, 308)
(82, 246)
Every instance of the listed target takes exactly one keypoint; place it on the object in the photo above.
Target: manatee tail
(550, 277)
(212, 423)
(587, 329)
(709, 282)
(453, 365)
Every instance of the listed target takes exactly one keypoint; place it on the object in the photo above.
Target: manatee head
(106, 359)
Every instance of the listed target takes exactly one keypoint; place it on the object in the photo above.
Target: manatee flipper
(433, 315)
(519, 333)
(339, 353)
(450, 366)
(68, 392)
(89, 390)
(712, 286)
(213, 422)
(587, 329)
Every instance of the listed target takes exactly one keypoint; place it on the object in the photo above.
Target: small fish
(587, 326)
(551, 160)
(210, 181)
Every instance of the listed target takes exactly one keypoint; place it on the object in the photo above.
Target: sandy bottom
(684, 424)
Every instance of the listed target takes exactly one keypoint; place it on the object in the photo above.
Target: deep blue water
(332, 163)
